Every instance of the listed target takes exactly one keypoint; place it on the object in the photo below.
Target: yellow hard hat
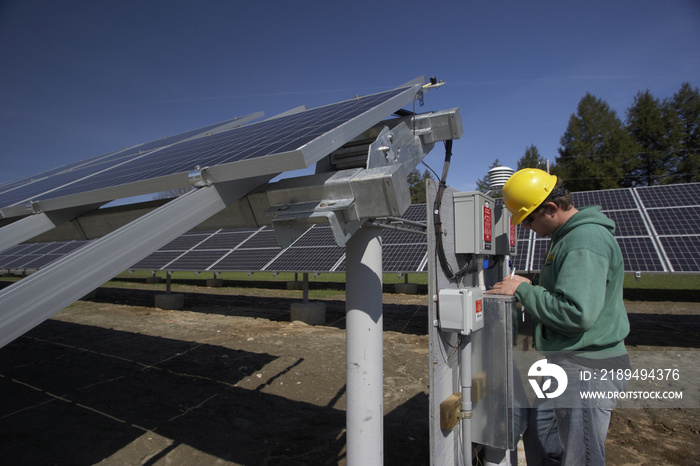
(525, 190)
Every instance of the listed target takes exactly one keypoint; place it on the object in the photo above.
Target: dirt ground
(229, 380)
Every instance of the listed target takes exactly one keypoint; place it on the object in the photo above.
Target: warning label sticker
(487, 224)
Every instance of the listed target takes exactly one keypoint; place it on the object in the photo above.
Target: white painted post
(364, 359)
(465, 375)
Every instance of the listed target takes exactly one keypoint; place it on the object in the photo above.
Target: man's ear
(551, 208)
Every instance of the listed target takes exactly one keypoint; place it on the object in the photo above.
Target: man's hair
(559, 195)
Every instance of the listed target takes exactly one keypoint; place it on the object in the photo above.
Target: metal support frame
(37, 223)
(37, 297)
(364, 340)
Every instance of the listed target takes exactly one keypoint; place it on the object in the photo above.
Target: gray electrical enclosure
(473, 214)
(495, 387)
(503, 232)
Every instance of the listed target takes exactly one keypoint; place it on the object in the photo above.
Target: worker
(579, 317)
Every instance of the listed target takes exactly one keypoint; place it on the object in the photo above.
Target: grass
(645, 282)
(649, 287)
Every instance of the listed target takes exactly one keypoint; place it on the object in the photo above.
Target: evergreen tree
(483, 184)
(684, 111)
(595, 148)
(532, 159)
(416, 185)
(648, 124)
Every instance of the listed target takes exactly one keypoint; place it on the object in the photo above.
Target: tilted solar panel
(48, 183)
(612, 199)
(683, 252)
(272, 146)
(640, 255)
(679, 221)
(687, 194)
(673, 245)
(674, 214)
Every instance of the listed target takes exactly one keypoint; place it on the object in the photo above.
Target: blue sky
(82, 78)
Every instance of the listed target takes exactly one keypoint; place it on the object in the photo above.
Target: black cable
(437, 223)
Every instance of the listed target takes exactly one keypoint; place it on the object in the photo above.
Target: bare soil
(229, 380)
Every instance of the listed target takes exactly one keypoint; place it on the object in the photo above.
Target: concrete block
(406, 288)
(310, 313)
(170, 301)
(215, 282)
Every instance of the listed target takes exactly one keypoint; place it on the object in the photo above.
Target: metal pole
(306, 287)
(364, 359)
(465, 362)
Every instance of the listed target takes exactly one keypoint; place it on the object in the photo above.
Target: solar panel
(612, 199)
(683, 252)
(669, 195)
(404, 257)
(640, 255)
(246, 260)
(628, 223)
(416, 213)
(264, 148)
(45, 184)
(225, 240)
(679, 221)
(520, 260)
(307, 259)
(317, 235)
(674, 215)
(36, 255)
(632, 230)
(655, 240)
(157, 260)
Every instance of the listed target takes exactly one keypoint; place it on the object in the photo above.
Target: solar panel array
(248, 250)
(657, 228)
(218, 146)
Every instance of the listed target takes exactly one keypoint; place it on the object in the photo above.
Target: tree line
(657, 143)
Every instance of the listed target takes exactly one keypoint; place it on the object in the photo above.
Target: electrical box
(503, 231)
(461, 310)
(473, 223)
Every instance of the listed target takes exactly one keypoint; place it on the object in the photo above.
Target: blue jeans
(568, 430)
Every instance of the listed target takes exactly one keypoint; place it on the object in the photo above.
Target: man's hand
(508, 286)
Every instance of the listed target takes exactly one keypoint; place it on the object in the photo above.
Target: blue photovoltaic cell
(522, 232)
(677, 221)
(613, 199)
(46, 184)
(263, 239)
(683, 252)
(540, 250)
(416, 213)
(196, 260)
(154, 160)
(670, 195)
(520, 260)
(225, 240)
(316, 251)
(402, 237)
(317, 235)
(639, 255)
(185, 242)
(246, 260)
(307, 259)
(628, 223)
(157, 260)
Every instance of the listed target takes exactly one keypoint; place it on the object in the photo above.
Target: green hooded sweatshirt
(578, 305)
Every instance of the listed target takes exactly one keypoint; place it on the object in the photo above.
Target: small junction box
(461, 310)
